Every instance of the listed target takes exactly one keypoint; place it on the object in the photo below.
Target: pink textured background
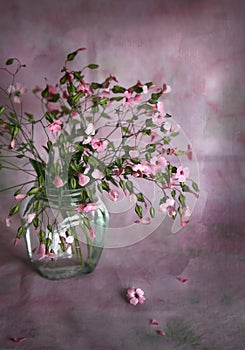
(197, 47)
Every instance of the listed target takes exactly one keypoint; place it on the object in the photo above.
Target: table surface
(91, 312)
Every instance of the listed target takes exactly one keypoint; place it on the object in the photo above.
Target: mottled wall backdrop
(196, 46)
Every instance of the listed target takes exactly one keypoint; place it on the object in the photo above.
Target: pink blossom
(69, 239)
(113, 195)
(20, 196)
(182, 173)
(128, 100)
(135, 296)
(92, 233)
(158, 119)
(58, 182)
(52, 107)
(30, 217)
(144, 221)
(75, 114)
(17, 340)
(83, 180)
(168, 207)
(153, 135)
(140, 169)
(134, 153)
(157, 164)
(182, 280)
(17, 90)
(160, 107)
(106, 93)
(8, 221)
(55, 126)
(97, 174)
(52, 90)
(87, 208)
(98, 145)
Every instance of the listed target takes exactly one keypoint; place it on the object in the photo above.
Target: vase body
(61, 241)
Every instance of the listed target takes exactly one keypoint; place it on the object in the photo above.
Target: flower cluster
(97, 133)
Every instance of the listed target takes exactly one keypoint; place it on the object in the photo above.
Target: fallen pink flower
(135, 296)
(162, 333)
(17, 340)
(58, 182)
(154, 322)
(182, 280)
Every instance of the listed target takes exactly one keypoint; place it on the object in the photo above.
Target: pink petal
(166, 89)
(20, 196)
(16, 241)
(146, 221)
(30, 218)
(83, 180)
(140, 292)
(17, 340)
(8, 221)
(141, 300)
(113, 195)
(154, 322)
(12, 144)
(58, 182)
(131, 293)
(162, 333)
(182, 280)
(134, 301)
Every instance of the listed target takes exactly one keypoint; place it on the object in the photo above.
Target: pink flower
(83, 180)
(96, 174)
(52, 107)
(157, 164)
(92, 233)
(135, 296)
(55, 126)
(113, 195)
(43, 253)
(140, 169)
(153, 135)
(8, 221)
(158, 119)
(128, 100)
(20, 196)
(17, 90)
(58, 182)
(168, 207)
(98, 145)
(12, 144)
(87, 208)
(161, 332)
(17, 340)
(182, 280)
(160, 107)
(30, 217)
(182, 173)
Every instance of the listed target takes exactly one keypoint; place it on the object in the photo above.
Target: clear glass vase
(65, 231)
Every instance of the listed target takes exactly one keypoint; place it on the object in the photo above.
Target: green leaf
(71, 56)
(137, 89)
(2, 109)
(63, 79)
(179, 153)
(140, 197)
(182, 199)
(33, 190)
(130, 186)
(173, 193)
(138, 210)
(195, 186)
(118, 98)
(20, 231)
(122, 184)
(103, 101)
(14, 209)
(174, 134)
(9, 61)
(105, 186)
(93, 66)
(96, 85)
(118, 89)
(38, 167)
(150, 147)
(152, 212)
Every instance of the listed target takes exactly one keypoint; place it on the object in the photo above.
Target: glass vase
(65, 231)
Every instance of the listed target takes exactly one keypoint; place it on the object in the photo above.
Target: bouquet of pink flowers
(97, 134)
